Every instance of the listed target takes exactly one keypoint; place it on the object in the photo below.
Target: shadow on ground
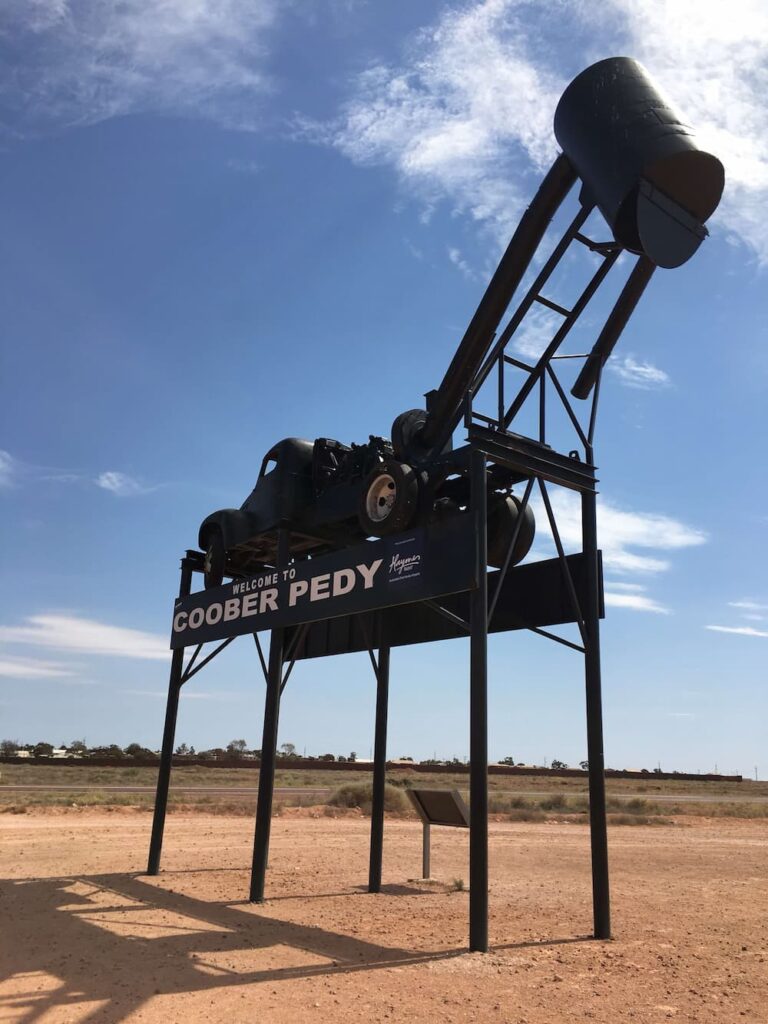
(100, 946)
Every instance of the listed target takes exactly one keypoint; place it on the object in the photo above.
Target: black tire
(503, 514)
(215, 559)
(389, 499)
(405, 430)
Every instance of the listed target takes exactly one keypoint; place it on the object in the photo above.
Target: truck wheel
(389, 499)
(503, 514)
(406, 429)
(215, 560)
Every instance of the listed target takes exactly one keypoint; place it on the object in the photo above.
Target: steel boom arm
(445, 404)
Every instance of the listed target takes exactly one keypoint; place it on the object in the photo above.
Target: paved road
(743, 797)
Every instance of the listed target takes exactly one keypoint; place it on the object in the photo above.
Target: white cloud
(750, 606)
(32, 668)
(7, 469)
(454, 255)
(753, 611)
(634, 602)
(14, 472)
(477, 91)
(634, 373)
(86, 636)
(631, 596)
(535, 332)
(739, 630)
(121, 484)
(447, 118)
(81, 61)
(621, 532)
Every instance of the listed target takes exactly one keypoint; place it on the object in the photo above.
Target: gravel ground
(87, 937)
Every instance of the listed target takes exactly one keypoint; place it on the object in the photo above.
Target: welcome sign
(412, 566)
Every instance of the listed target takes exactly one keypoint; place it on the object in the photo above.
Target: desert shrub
(527, 814)
(500, 803)
(737, 810)
(579, 805)
(401, 781)
(556, 802)
(635, 819)
(359, 794)
(637, 805)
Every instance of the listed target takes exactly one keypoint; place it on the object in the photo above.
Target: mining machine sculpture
(638, 164)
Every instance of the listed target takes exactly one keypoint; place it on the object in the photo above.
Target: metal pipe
(379, 771)
(268, 747)
(631, 293)
(478, 719)
(444, 413)
(169, 735)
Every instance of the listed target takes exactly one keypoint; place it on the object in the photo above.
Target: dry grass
(524, 798)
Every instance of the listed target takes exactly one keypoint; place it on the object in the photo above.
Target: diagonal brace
(563, 562)
(451, 616)
(188, 675)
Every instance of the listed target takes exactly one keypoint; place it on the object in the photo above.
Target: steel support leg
(478, 721)
(601, 899)
(268, 750)
(169, 735)
(379, 772)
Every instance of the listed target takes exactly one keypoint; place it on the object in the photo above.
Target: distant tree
(288, 750)
(236, 748)
(77, 747)
(508, 760)
(191, 750)
(352, 756)
(43, 749)
(584, 765)
(8, 748)
(327, 757)
(135, 750)
(558, 765)
(182, 750)
(112, 751)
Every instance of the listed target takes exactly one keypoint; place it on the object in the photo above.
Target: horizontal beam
(531, 458)
(532, 596)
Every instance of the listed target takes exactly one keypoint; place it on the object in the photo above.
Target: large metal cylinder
(638, 160)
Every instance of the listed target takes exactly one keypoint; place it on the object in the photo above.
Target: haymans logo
(404, 565)
(404, 562)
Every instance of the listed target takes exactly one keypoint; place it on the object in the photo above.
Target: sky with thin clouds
(230, 222)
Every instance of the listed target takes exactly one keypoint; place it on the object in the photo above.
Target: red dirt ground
(87, 937)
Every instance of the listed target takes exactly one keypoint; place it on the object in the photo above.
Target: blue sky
(229, 222)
